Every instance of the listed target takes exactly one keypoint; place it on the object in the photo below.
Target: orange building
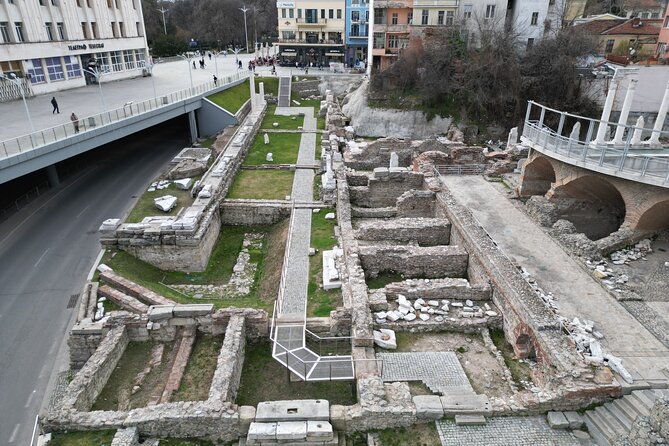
(392, 24)
(663, 40)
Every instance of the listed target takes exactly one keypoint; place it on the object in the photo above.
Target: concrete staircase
(609, 423)
(284, 91)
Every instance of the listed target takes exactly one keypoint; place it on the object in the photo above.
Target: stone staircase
(609, 423)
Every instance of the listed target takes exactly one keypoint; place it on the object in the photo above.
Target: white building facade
(49, 43)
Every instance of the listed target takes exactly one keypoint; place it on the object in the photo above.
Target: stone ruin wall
(253, 212)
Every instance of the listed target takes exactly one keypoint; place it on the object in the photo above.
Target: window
(54, 2)
(394, 18)
(644, 15)
(355, 30)
(138, 26)
(129, 59)
(109, 3)
(117, 6)
(666, 22)
(311, 16)
(72, 66)
(84, 29)
(379, 16)
(134, 4)
(530, 43)
(288, 35)
(394, 41)
(355, 16)
(467, 14)
(440, 17)
(379, 40)
(114, 32)
(116, 60)
(339, 13)
(450, 15)
(88, 3)
(535, 18)
(121, 29)
(139, 57)
(424, 17)
(291, 13)
(366, 16)
(61, 30)
(94, 29)
(54, 68)
(489, 11)
(609, 46)
(655, 15)
(41, 2)
(103, 62)
(410, 17)
(49, 31)
(78, 3)
(299, 13)
(35, 71)
(4, 32)
(331, 13)
(18, 27)
(283, 13)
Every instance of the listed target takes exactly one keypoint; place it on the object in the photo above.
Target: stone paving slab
(507, 431)
(438, 370)
(297, 274)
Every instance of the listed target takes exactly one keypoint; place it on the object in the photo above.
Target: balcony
(436, 3)
(399, 28)
(391, 4)
(311, 42)
(306, 23)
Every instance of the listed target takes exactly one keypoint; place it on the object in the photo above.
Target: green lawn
(218, 271)
(315, 103)
(200, 370)
(284, 148)
(184, 442)
(262, 184)
(233, 98)
(321, 301)
(265, 379)
(285, 122)
(96, 438)
(382, 280)
(271, 85)
(145, 206)
(417, 435)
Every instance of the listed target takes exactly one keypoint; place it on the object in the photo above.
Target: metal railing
(29, 142)
(36, 432)
(327, 345)
(460, 169)
(312, 41)
(629, 158)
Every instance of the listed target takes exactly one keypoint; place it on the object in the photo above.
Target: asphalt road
(46, 252)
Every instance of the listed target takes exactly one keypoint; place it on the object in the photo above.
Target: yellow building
(311, 32)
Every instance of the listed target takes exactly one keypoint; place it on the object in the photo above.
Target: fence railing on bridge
(460, 169)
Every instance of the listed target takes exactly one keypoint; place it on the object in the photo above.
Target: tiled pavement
(438, 370)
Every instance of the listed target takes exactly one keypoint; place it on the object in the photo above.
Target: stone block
(316, 410)
(192, 310)
(160, 312)
(466, 403)
(262, 431)
(470, 420)
(428, 407)
(575, 419)
(291, 430)
(380, 172)
(246, 416)
(319, 430)
(557, 420)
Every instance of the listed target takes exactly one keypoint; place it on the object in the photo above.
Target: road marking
(30, 398)
(14, 432)
(41, 257)
(82, 211)
(91, 273)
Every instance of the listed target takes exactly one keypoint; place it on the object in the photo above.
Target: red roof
(599, 26)
(647, 27)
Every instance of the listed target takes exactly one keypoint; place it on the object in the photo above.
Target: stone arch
(655, 218)
(592, 203)
(538, 176)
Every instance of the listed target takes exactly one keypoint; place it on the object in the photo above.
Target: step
(470, 420)
(621, 415)
(596, 428)
(631, 406)
(610, 424)
(470, 404)
(647, 399)
(640, 403)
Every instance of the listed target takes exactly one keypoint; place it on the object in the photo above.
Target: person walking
(54, 102)
(194, 67)
(215, 81)
(75, 122)
(209, 57)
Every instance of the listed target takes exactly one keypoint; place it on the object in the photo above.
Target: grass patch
(200, 369)
(271, 85)
(208, 142)
(233, 98)
(417, 435)
(262, 184)
(284, 148)
(418, 388)
(321, 301)
(413, 101)
(117, 395)
(285, 122)
(145, 206)
(184, 442)
(96, 438)
(383, 279)
(265, 379)
(404, 340)
(520, 371)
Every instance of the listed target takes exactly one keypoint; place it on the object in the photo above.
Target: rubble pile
(439, 309)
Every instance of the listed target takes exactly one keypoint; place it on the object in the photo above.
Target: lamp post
(150, 66)
(95, 72)
(255, 32)
(12, 77)
(246, 31)
(216, 54)
(187, 59)
(163, 11)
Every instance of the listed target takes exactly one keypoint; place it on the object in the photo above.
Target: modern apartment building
(49, 43)
(357, 25)
(311, 31)
(391, 29)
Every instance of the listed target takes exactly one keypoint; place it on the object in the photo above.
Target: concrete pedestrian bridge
(598, 180)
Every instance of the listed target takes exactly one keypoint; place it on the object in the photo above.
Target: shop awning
(289, 53)
(334, 54)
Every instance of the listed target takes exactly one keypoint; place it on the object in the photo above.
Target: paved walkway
(505, 431)
(284, 91)
(578, 294)
(438, 370)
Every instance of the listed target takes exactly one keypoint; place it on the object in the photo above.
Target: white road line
(41, 257)
(91, 273)
(30, 398)
(14, 432)
(82, 211)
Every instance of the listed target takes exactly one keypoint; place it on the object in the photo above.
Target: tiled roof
(636, 26)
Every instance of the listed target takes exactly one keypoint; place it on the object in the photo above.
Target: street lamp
(149, 66)
(216, 54)
(163, 11)
(187, 59)
(12, 77)
(246, 31)
(97, 74)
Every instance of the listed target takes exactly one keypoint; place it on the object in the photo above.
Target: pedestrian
(75, 122)
(306, 69)
(55, 105)
(240, 65)
(194, 67)
(209, 57)
(215, 81)
(273, 70)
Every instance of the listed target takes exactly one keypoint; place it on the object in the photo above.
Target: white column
(606, 113)
(370, 38)
(624, 113)
(661, 115)
(636, 137)
(261, 93)
(252, 86)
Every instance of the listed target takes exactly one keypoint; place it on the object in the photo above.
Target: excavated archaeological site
(374, 295)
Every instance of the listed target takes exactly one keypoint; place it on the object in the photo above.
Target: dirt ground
(485, 373)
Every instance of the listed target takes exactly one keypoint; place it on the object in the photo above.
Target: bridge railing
(630, 155)
(32, 141)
